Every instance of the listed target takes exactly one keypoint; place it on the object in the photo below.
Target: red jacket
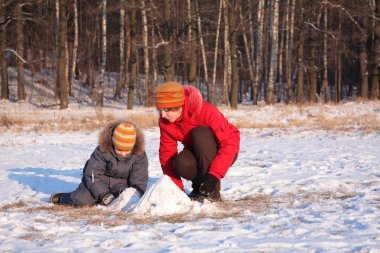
(197, 112)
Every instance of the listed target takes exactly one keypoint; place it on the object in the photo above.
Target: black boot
(56, 198)
(195, 193)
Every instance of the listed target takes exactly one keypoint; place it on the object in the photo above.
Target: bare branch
(320, 30)
(15, 53)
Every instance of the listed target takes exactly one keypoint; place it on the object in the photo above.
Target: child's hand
(107, 199)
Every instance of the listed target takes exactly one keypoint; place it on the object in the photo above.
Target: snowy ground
(297, 189)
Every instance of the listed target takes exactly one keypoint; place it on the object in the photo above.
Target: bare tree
(133, 57)
(100, 91)
(62, 81)
(168, 47)
(120, 80)
(232, 12)
(227, 56)
(192, 76)
(3, 62)
(274, 53)
(300, 55)
(375, 86)
(148, 88)
(259, 48)
(213, 83)
(74, 5)
(20, 50)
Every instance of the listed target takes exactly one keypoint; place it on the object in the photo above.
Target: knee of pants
(185, 165)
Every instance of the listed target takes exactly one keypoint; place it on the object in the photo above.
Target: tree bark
(325, 82)
(289, 49)
(168, 47)
(204, 60)
(227, 57)
(274, 54)
(20, 51)
(363, 58)
(301, 67)
(62, 80)
(133, 58)
(234, 67)
(213, 83)
(148, 88)
(3, 61)
(193, 46)
(75, 48)
(120, 80)
(259, 48)
(100, 92)
(375, 86)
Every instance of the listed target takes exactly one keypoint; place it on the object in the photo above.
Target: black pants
(195, 163)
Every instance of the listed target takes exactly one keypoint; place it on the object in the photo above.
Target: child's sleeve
(138, 177)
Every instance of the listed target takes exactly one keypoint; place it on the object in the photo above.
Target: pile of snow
(163, 198)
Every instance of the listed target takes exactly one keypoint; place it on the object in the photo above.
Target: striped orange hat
(169, 95)
(124, 137)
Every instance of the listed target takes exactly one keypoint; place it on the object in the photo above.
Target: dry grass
(256, 204)
(59, 123)
(336, 117)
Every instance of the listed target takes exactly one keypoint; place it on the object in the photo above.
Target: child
(117, 163)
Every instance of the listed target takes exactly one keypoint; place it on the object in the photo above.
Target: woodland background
(235, 51)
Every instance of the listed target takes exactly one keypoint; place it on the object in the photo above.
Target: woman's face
(170, 114)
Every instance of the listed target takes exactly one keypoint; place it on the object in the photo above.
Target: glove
(109, 171)
(107, 199)
(210, 185)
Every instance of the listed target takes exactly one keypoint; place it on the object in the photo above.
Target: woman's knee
(186, 165)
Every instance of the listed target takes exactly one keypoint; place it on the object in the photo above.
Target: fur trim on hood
(105, 137)
(194, 100)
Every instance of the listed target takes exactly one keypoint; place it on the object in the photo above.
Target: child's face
(122, 153)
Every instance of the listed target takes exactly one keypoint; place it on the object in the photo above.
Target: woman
(211, 143)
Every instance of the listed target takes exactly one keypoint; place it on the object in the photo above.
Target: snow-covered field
(292, 189)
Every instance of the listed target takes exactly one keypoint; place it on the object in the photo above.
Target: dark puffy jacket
(197, 112)
(106, 172)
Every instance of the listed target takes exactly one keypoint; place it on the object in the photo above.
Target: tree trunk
(313, 66)
(120, 80)
(338, 62)
(193, 46)
(247, 48)
(168, 47)
(133, 58)
(363, 58)
(100, 93)
(259, 48)
(301, 67)
(274, 53)
(148, 88)
(75, 48)
(325, 82)
(213, 83)
(204, 60)
(234, 68)
(62, 80)
(289, 49)
(375, 86)
(20, 51)
(227, 57)
(154, 59)
(3, 61)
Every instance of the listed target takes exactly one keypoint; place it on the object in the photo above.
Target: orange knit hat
(169, 95)
(124, 137)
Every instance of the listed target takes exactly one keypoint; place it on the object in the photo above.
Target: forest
(234, 51)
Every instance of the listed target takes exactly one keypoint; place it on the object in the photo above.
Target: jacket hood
(105, 137)
(193, 101)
